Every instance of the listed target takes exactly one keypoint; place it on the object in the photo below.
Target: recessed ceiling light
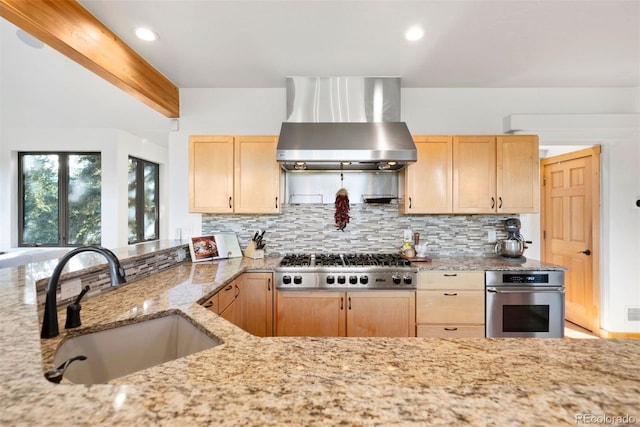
(414, 33)
(28, 39)
(145, 34)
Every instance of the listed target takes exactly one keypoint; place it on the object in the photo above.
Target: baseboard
(607, 334)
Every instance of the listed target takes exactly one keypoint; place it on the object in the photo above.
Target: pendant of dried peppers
(342, 209)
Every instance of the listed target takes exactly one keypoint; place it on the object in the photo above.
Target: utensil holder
(252, 252)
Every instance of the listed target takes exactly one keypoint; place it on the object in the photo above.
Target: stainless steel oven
(526, 304)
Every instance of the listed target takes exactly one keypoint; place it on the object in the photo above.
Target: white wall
(114, 145)
(454, 111)
(215, 112)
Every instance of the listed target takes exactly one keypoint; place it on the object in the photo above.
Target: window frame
(63, 196)
(139, 203)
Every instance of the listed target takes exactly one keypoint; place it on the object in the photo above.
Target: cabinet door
(451, 279)
(213, 304)
(227, 295)
(211, 174)
(232, 313)
(518, 174)
(474, 174)
(381, 314)
(450, 306)
(428, 181)
(257, 175)
(311, 314)
(256, 303)
(450, 331)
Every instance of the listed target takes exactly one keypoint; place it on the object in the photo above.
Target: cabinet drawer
(450, 307)
(450, 331)
(213, 304)
(226, 295)
(451, 280)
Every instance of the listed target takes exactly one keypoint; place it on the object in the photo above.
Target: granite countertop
(306, 381)
(485, 263)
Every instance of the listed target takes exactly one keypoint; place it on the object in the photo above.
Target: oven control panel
(524, 277)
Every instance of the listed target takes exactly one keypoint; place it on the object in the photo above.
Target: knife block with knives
(255, 248)
(253, 252)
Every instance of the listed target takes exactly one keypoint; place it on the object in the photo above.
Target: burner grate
(344, 260)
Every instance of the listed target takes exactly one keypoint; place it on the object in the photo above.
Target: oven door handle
(528, 290)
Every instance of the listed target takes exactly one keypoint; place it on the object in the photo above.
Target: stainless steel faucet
(50, 319)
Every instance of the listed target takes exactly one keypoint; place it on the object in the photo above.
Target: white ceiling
(478, 43)
(210, 43)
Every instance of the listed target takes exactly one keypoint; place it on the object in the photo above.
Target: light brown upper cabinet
(474, 174)
(495, 174)
(233, 174)
(518, 174)
(428, 181)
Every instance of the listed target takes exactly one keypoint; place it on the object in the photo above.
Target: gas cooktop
(355, 270)
(344, 260)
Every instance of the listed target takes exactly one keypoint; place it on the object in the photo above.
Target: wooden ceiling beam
(69, 28)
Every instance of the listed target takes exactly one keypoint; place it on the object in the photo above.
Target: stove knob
(331, 280)
(342, 280)
(353, 279)
(364, 280)
(407, 279)
(286, 279)
(396, 279)
(297, 279)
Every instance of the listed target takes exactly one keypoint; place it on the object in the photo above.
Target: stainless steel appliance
(525, 304)
(514, 245)
(338, 271)
(344, 123)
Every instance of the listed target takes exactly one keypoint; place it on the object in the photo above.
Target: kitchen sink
(122, 350)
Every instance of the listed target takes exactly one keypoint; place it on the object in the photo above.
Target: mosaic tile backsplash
(372, 228)
(135, 269)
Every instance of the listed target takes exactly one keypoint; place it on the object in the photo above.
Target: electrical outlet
(70, 289)
(491, 235)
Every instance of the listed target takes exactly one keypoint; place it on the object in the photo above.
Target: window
(59, 199)
(144, 190)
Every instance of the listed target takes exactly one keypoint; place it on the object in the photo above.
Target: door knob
(586, 252)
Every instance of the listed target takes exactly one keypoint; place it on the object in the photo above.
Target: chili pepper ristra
(342, 209)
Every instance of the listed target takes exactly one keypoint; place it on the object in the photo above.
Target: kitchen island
(306, 381)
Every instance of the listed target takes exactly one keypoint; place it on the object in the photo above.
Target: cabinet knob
(229, 202)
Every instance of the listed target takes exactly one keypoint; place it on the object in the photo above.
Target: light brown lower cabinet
(450, 304)
(450, 331)
(228, 302)
(256, 303)
(246, 302)
(338, 314)
(232, 313)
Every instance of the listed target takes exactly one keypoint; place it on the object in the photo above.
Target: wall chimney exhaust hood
(344, 123)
